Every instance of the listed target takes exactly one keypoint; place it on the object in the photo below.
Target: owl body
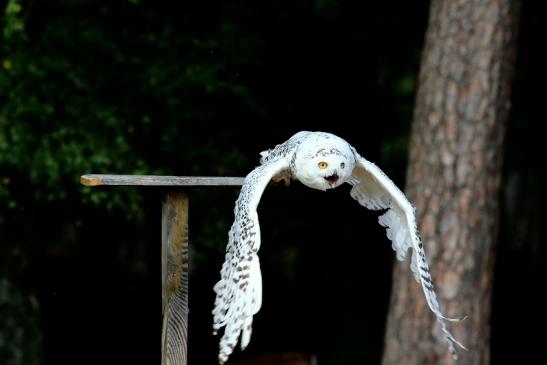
(320, 161)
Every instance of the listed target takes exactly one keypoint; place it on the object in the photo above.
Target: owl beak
(332, 179)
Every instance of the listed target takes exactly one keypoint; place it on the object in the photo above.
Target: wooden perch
(175, 255)
(152, 180)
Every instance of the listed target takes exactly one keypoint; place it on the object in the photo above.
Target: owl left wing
(239, 290)
(374, 190)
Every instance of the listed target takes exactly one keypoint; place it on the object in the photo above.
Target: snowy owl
(321, 161)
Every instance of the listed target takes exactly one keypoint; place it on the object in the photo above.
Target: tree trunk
(454, 177)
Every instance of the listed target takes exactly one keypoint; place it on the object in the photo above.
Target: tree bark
(454, 178)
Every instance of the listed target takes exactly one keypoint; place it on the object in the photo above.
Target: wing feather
(239, 290)
(374, 190)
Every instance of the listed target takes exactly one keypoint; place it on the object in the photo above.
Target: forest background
(200, 88)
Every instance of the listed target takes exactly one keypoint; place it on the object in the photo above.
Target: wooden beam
(174, 267)
(151, 180)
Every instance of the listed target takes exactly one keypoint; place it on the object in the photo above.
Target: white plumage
(321, 161)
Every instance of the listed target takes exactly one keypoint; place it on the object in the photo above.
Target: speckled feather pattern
(321, 161)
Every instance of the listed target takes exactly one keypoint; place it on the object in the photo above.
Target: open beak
(332, 179)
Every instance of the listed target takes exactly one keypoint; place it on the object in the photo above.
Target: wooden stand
(174, 251)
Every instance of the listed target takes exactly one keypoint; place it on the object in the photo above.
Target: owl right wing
(239, 290)
(374, 190)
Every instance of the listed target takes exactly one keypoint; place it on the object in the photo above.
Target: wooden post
(174, 252)
(174, 272)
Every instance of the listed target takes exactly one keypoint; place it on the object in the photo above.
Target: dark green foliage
(85, 87)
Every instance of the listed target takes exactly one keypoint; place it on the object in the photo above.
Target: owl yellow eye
(323, 165)
(342, 165)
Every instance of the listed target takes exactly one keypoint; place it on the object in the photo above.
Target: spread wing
(239, 291)
(374, 190)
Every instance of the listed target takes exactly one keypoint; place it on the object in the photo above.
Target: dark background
(200, 88)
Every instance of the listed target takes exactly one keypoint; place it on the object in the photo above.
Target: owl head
(323, 162)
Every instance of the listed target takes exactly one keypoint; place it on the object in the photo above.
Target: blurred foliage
(78, 98)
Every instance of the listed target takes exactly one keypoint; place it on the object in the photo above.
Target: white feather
(373, 189)
(239, 290)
